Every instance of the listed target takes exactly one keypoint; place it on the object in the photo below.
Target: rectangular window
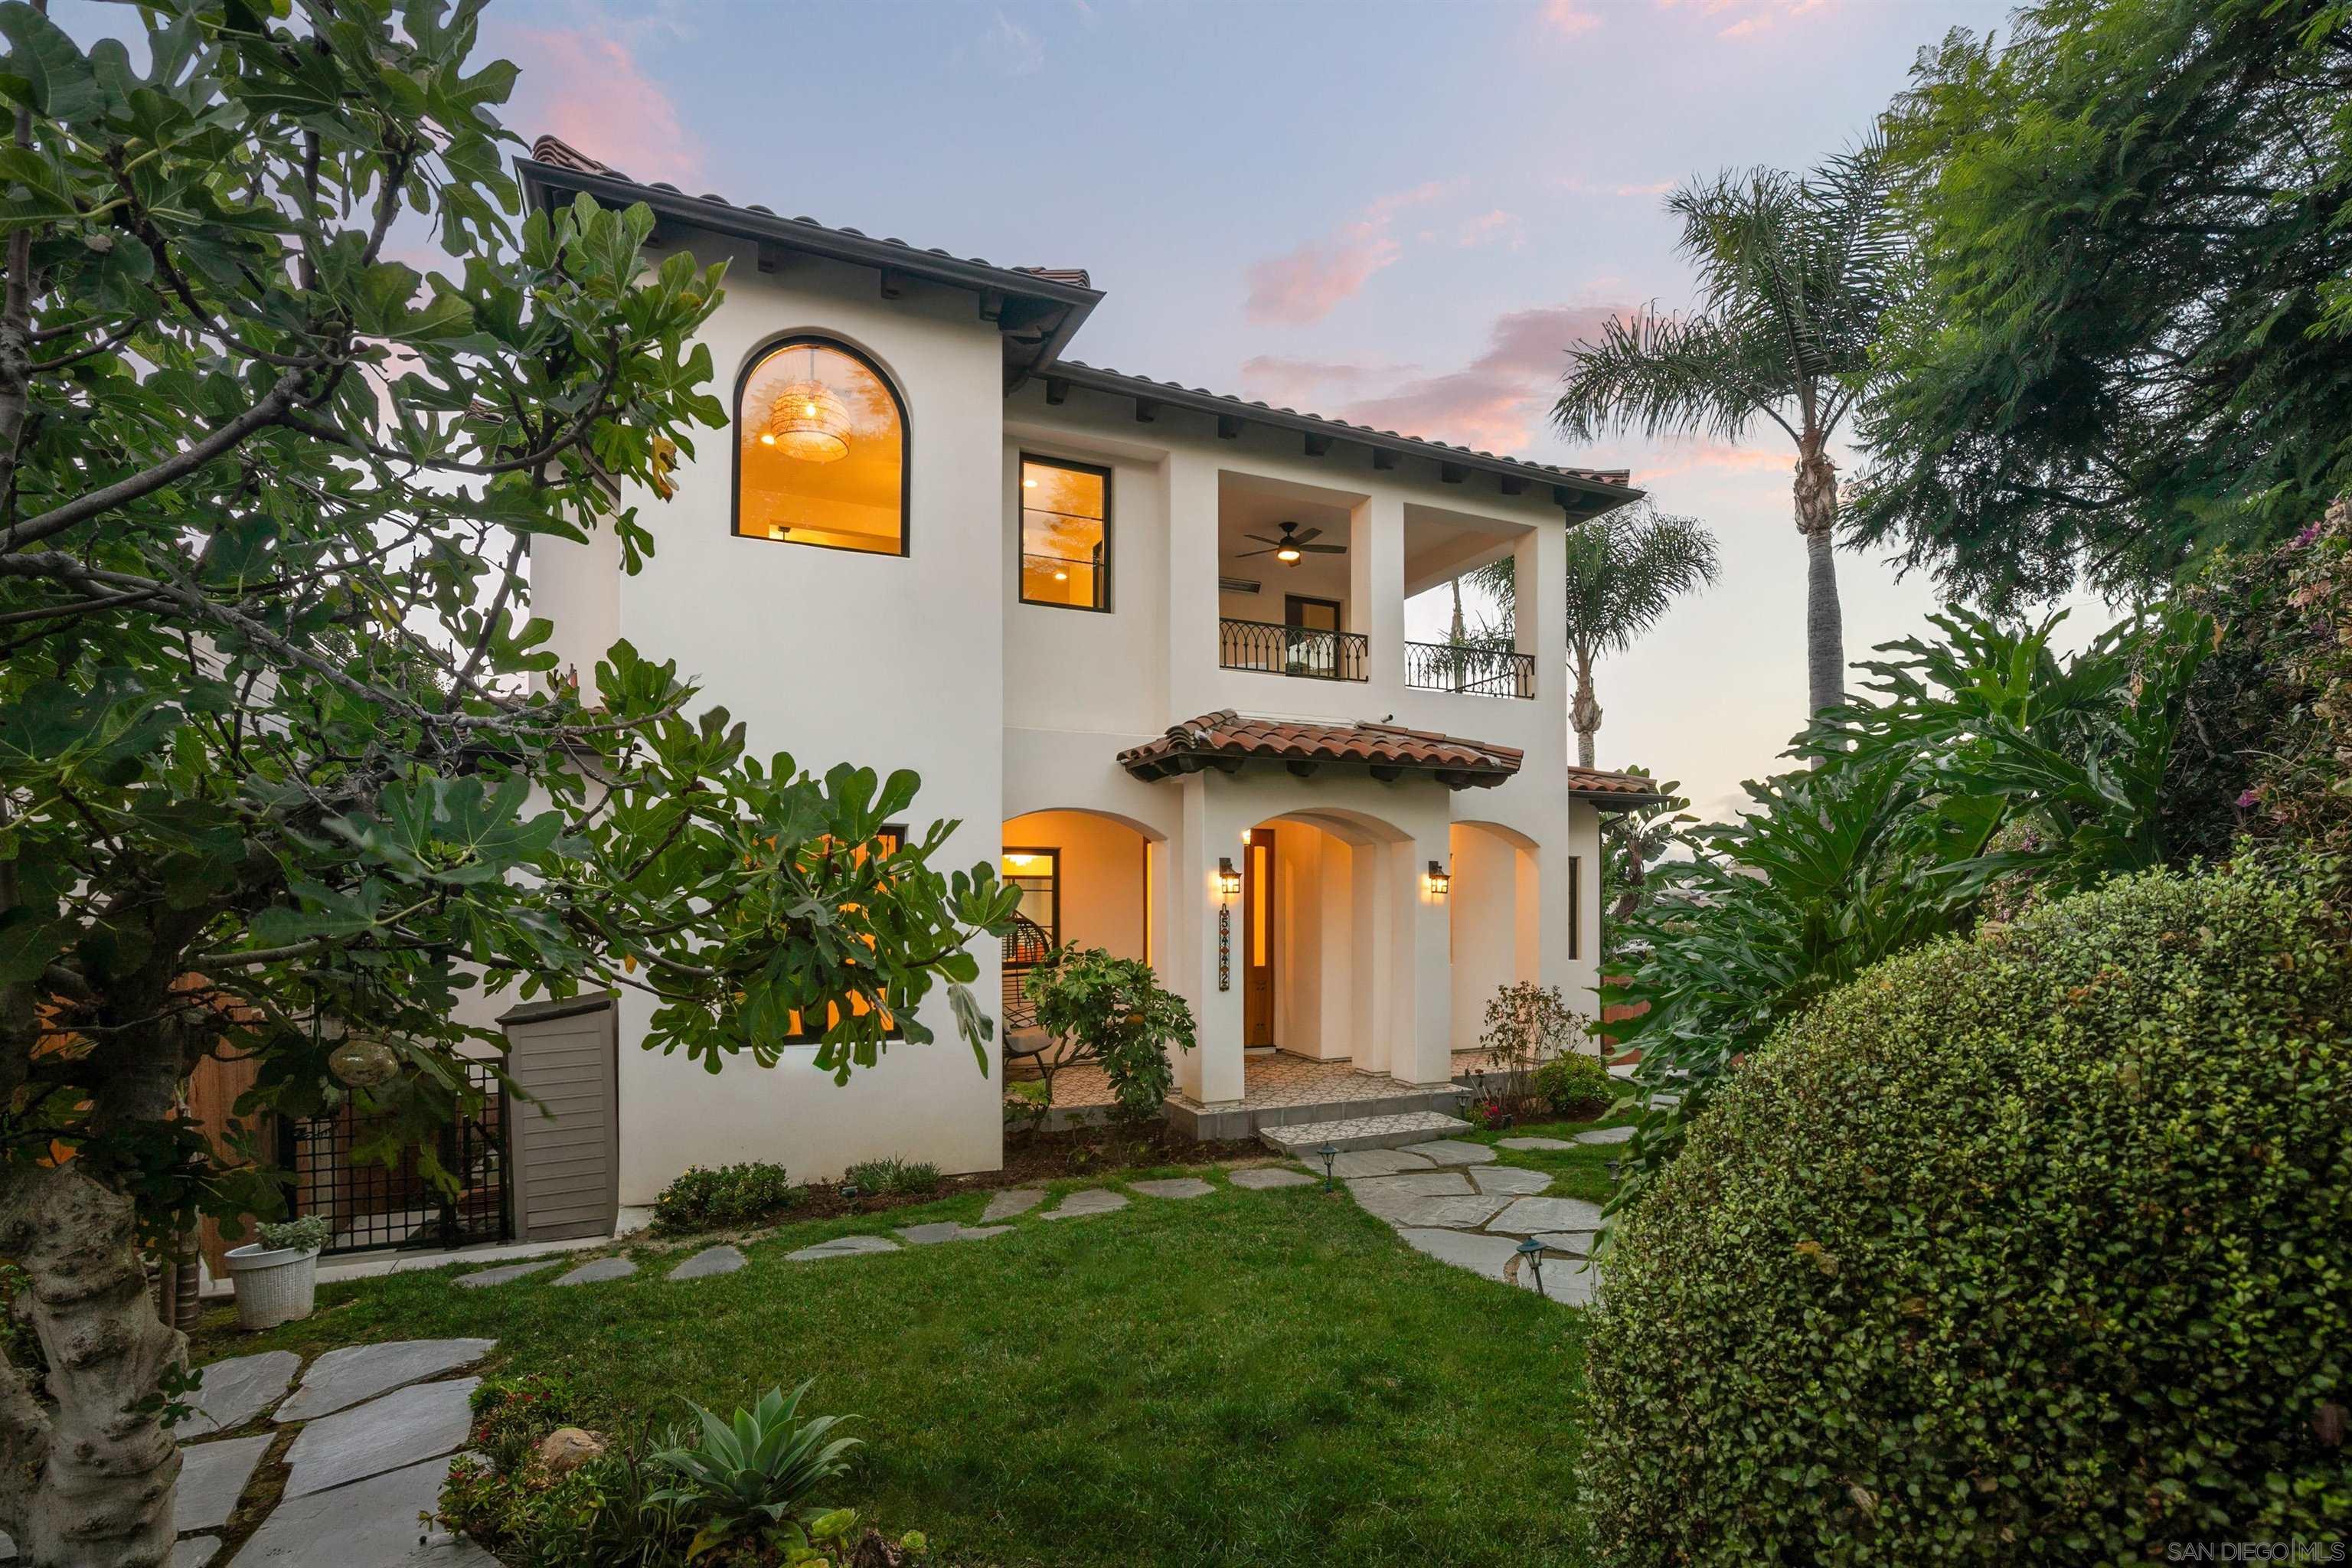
(1576, 906)
(886, 842)
(1065, 534)
(1038, 920)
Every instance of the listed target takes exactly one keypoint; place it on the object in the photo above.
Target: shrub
(898, 1178)
(1575, 1086)
(2023, 1248)
(1527, 1025)
(730, 1194)
(309, 1234)
(606, 1513)
(1122, 1017)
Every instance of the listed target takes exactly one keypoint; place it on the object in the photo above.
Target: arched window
(819, 450)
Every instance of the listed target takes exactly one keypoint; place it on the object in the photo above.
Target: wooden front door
(1258, 938)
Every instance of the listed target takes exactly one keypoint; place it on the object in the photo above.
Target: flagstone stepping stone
(1450, 1213)
(1174, 1187)
(1378, 1162)
(195, 1552)
(1606, 1135)
(711, 1260)
(1534, 1143)
(236, 1391)
(1568, 1281)
(1527, 1215)
(344, 1377)
(1514, 1179)
(951, 1230)
(213, 1477)
(1259, 1178)
(1010, 1202)
(370, 1523)
(602, 1271)
(1093, 1200)
(421, 1422)
(1450, 1152)
(507, 1275)
(1482, 1255)
(842, 1247)
(1389, 1197)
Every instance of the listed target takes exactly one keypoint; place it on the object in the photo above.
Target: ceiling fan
(1292, 545)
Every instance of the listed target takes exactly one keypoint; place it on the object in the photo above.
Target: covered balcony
(1285, 599)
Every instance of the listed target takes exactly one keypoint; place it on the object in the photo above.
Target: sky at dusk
(1400, 215)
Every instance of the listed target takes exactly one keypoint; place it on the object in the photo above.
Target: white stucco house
(1145, 642)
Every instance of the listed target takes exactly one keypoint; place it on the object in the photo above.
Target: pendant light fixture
(808, 420)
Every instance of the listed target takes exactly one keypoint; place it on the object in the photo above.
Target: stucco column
(1211, 1071)
(1376, 588)
(1423, 1050)
(1191, 481)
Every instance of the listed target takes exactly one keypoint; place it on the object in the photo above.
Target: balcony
(1291, 650)
(1469, 670)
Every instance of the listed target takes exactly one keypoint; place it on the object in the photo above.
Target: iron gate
(374, 1208)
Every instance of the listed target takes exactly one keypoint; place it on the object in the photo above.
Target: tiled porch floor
(1267, 1081)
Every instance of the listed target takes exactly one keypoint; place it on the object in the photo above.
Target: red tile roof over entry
(1226, 739)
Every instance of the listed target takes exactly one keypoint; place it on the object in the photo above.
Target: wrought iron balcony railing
(1291, 650)
(1472, 670)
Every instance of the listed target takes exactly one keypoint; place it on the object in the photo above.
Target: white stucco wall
(831, 655)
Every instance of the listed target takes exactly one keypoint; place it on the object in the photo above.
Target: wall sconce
(1229, 880)
(1440, 881)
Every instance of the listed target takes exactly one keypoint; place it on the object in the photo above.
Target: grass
(1249, 1377)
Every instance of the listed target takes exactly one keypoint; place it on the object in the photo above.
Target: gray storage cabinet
(565, 1151)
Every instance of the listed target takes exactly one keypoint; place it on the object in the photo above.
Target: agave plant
(752, 1477)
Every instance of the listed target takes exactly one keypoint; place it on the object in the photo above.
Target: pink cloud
(1748, 18)
(1497, 401)
(1293, 382)
(1495, 227)
(1568, 19)
(1306, 284)
(582, 84)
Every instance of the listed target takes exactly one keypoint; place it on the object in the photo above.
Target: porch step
(1302, 1139)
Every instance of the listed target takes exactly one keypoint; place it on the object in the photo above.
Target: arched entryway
(1325, 961)
(1495, 919)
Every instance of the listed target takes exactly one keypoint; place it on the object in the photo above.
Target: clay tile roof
(1224, 740)
(1613, 791)
(558, 154)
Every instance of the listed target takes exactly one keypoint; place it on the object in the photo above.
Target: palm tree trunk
(1584, 714)
(1816, 497)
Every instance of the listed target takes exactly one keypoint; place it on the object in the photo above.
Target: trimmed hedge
(2030, 1247)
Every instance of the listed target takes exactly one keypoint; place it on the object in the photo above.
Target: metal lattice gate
(373, 1207)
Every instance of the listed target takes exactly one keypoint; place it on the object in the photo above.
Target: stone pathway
(1447, 1199)
(372, 1442)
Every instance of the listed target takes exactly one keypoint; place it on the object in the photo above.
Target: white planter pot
(274, 1285)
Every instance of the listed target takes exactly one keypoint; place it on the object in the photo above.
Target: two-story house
(1146, 643)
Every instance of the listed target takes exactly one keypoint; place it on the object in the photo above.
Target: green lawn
(1243, 1378)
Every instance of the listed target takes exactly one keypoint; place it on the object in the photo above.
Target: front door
(1258, 938)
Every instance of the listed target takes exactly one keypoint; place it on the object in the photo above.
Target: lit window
(820, 451)
(1065, 534)
(1037, 923)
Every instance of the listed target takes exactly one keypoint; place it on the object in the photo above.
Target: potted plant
(277, 1278)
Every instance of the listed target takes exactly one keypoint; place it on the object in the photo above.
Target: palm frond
(1667, 374)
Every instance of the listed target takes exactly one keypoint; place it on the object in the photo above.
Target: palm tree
(1796, 276)
(1625, 570)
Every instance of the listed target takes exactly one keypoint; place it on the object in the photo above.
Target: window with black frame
(1065, 534)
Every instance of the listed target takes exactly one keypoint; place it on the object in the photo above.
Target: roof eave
(1578, 494)
(1057, 307)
